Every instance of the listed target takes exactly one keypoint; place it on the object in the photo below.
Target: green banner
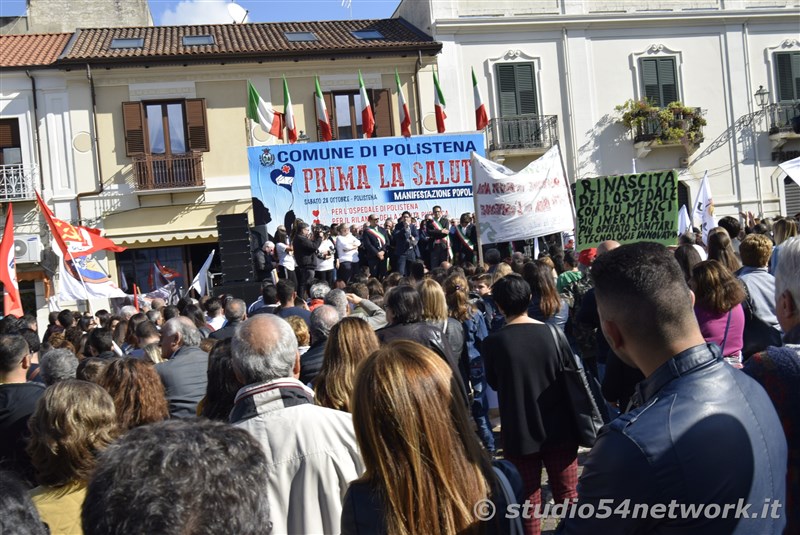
(627, 208)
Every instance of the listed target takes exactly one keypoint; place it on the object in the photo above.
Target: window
(516, 89)
(659, 81)
(10, 147)
(165, 127)
(787, 71)
(344, 111)
(124, 42)
(165, 139)
(197, 40)
(367, 34)
(295, 37)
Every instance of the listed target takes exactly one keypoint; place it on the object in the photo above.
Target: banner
(627, 208)
(84, 278)
(345, 181)
(515, 206)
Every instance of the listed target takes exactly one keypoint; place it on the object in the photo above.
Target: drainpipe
(417, 66)
(99, 188)
(36, 129)
(754, 135)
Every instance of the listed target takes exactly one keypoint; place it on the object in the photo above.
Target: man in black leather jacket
(702, 433)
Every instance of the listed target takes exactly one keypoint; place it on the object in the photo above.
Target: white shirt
(347, 248)
(325, 248)
(285, 258)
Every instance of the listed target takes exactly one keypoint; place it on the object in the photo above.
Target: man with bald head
(184, 372)
(311, 450)
(702, 434)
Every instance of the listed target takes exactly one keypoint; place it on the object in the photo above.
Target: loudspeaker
(246, 291)
(234, 248)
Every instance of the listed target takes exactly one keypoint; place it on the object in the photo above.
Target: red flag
(136, 297)
(76, 241)
(12, 304)
(169, 274)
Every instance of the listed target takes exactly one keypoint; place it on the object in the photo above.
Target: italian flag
(405, 118)
(439, 105)
(481, 117)
(325, 133)
(291, 127)
(262, 113)
(367, 119)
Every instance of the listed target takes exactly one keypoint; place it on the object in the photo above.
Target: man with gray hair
(235, 314)
(311, 451)
(57, 365)
(323, 319)
(317, 293)
(184, 372)
(338, 300)
(778, 369)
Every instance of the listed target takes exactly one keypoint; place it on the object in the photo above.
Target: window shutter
(196, 124)
(133, 124)
(526, 89)
(383, 112)
(667, 80)
(507, 89)
(650, 80)
(787, 66)
(9, 133)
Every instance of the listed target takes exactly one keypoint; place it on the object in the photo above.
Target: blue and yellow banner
(345, 181)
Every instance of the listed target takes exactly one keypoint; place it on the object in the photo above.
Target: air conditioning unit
(27, 249)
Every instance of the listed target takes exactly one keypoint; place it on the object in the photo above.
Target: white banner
(515, 206)
(84, 279)
(792, 168)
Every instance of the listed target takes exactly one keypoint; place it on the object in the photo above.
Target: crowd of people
(355, 395)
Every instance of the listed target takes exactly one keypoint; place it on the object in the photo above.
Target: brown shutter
(382, 110)
(196, 124)
(133, 123)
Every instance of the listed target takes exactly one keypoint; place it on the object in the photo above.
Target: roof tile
(31, 50)
(253, 39)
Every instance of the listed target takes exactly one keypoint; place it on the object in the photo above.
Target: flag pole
(479, 243)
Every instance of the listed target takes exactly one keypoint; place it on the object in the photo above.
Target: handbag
(588, 420)
(757, 335)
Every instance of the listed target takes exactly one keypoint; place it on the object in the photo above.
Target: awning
(169, 225)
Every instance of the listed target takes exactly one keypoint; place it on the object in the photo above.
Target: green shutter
(526, 89)
(659, 80)
(650, 80)
(667, 80)
(506, 83)
(517, 89)
(787, 67)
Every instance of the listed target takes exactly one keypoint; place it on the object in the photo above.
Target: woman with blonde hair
(349, 343)
(473, 325)
(718, 307)
(73, 422)
(425, 469)
(434, 311)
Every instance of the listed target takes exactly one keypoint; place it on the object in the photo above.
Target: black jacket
(304, 251)
(372, 246)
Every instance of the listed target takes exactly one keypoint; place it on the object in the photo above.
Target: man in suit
(235, 314)
(184, 372)
(375, 245)
(439, 232)
(406, 238)
(464, 238)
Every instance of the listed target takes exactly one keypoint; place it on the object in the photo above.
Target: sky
(178, 12)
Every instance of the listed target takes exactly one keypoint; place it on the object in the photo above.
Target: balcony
(521, 135)
(659, 128)
(784, 123)
(18, 182)
(157, 172)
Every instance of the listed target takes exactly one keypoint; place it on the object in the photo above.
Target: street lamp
(762, 99)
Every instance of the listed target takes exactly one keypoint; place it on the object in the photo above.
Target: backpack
(584, 335)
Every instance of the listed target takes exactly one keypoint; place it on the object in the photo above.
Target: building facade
(559, 69)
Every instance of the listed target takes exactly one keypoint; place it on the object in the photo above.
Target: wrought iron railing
(168, 171)
(784, 118)
(523, 132)
(18, 181)
(681, 127)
